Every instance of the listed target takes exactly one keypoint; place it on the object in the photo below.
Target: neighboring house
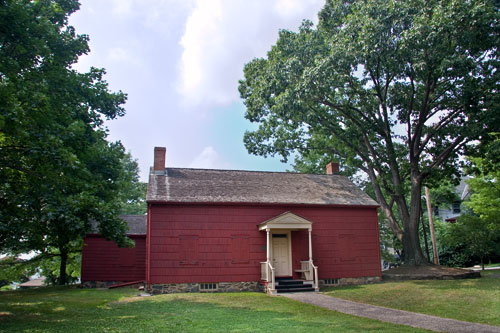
(450, 212)
(226, 230)
(34, 283)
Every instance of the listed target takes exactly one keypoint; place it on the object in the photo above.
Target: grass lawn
(488, 265)
(474, 300)
(69, 309)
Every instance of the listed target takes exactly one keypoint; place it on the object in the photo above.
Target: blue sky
(179, 61)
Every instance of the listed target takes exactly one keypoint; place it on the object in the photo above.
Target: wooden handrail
(272, 276)
(315, 268)
(263, 271)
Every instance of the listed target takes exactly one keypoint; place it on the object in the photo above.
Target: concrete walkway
(392, 316)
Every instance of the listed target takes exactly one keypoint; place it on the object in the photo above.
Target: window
(456, 207)
(330, 282)
(208, 286)
(436, 211)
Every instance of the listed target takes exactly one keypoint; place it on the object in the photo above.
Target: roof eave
(245, 203)
(94, 234)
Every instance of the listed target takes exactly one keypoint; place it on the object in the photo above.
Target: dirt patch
(428, 272)
(128, 300)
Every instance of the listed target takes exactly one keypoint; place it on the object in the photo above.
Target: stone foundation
(222, 287)
(227, 287)
(350, 281)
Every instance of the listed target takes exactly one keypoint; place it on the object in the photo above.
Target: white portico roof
(287, 220)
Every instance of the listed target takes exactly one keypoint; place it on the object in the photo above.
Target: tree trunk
(412, 252)
(62, 268)
(482, 264)
(411, 242)
(408, 235)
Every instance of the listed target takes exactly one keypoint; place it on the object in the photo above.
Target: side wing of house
(104, 263)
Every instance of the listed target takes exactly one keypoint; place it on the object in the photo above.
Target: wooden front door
(281, 254)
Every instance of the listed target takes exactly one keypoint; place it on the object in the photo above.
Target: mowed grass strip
(474, 300)
(86, 310)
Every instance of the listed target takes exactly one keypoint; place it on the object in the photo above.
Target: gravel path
(392, 316)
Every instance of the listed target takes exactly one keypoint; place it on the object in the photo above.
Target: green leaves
(397, 89)
(484, 201)
(472, 236)
(58, 172)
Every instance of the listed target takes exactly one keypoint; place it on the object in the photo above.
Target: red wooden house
(229, 230)
(105, 264)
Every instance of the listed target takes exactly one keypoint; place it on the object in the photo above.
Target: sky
(179, 61)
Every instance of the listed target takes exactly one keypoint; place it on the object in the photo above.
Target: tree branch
(442, 123)
(444, 154)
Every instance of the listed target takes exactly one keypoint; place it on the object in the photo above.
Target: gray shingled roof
(137, 224)
(230, 186)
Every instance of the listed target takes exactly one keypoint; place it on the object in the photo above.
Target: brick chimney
(332, 168)
(159, 163)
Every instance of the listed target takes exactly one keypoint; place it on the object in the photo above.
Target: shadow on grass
(486, 282)
(349, 287)
(50, 304)
(242, 312)
(103, 311)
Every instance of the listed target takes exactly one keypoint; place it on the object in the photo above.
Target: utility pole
(431, 224)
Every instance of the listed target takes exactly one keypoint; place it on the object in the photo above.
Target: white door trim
(289, 239)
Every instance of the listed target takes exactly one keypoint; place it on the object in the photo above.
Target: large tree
(58, 172)
(396, 89)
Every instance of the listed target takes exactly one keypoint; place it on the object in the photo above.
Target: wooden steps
(288, 285)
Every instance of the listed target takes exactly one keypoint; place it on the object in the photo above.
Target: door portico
(279, 248)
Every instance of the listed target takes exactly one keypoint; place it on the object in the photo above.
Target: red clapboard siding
(103, 260)
(218, 243)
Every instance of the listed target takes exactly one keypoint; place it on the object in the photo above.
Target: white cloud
(291, 8)
(165, 16)
(119, 54)
(114, 56)
(84, 63)
(209, 159)
(200, 39)
(222, 35)
(152, 13)
(122, 7)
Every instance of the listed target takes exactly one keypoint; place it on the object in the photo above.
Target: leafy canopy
(58, 172)
(396, 89)
(478, 230)
(484, 201)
